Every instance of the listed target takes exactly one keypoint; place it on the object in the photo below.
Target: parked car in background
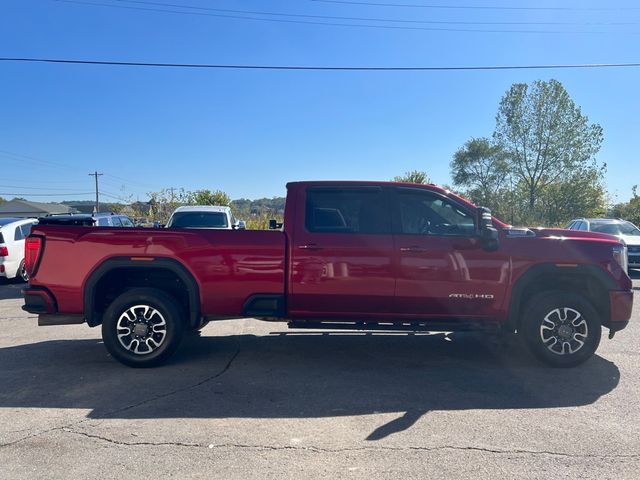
(13, 231)
(205, 216)
(622, 229)
(103, 219)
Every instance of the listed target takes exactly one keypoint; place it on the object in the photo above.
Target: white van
(13, 231)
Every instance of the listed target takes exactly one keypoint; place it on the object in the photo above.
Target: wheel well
(592, 287)
(110, 281)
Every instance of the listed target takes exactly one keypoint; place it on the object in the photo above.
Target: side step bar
(435, 326)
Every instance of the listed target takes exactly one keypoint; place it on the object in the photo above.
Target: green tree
(547, 140)
(207, 197)
(630, 210)
(414, 176)
(480, 168)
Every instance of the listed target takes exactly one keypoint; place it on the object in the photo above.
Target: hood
(562, 233)
(631, 239)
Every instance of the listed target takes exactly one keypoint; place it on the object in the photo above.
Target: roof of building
(25, 208)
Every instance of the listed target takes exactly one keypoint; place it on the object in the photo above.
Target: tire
(22, 274)
(561, 329)
(142, 327)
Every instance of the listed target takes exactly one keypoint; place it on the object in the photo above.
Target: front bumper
(621, 302)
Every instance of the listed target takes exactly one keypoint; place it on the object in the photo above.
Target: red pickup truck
(351, 255)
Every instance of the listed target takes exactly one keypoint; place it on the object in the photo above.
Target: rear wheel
(561, 329)
(142, 327)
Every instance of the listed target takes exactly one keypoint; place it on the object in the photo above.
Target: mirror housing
(241, 225)
(487, 232)
(274, 224)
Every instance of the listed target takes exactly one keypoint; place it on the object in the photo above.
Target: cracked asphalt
(250, 399)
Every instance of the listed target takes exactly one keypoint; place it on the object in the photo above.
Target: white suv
(13, 231)
(205, 216)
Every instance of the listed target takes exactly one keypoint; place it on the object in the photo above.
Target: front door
(341, 253)
(442, 269)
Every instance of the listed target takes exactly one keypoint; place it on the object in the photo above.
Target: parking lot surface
(250, 399)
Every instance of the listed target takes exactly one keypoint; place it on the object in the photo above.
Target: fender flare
(534, 273)
(93, 318)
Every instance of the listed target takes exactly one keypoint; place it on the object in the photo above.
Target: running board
(435, 326)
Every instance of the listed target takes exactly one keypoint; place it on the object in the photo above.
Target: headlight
(620, 256)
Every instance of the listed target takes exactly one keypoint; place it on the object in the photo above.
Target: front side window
(428, 214)
(347, 210)
(126, 222)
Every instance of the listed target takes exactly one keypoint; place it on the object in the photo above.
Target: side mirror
(274, 224)
(487, 232)
(241, 225)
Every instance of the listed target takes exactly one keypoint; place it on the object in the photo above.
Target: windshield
(198, 220)
(622, 228)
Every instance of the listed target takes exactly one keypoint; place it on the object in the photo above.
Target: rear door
(341, 253)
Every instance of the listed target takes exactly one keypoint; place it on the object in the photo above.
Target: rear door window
(347, 210)
(103, 222)
(116, 221)
(18, 235)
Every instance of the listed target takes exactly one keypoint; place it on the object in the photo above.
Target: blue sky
(249, 132)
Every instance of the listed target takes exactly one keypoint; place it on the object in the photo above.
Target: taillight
(4, 252)
(32, 251)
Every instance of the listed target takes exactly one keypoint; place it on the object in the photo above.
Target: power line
(318, 68)
(474, 7)
(36, 188)
(340, 17)
(130, 181)
(333, 24)
(44, 194)
(37, 160)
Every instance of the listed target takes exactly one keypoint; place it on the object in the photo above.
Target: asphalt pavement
(250, 399)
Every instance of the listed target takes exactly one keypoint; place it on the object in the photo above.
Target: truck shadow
(299, 375)
(10, 289)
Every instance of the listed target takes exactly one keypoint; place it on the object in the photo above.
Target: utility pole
(96, 175)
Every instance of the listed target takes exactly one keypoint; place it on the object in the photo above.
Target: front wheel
(561, 329)
(142, 327)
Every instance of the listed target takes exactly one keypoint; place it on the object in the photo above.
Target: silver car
(627, 231)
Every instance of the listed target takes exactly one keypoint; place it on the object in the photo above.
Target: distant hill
(244, 207)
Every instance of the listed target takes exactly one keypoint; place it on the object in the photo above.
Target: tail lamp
(4, 252)
(32, 252)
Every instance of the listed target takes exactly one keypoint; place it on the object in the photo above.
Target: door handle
(413, 249)
(310, 246)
